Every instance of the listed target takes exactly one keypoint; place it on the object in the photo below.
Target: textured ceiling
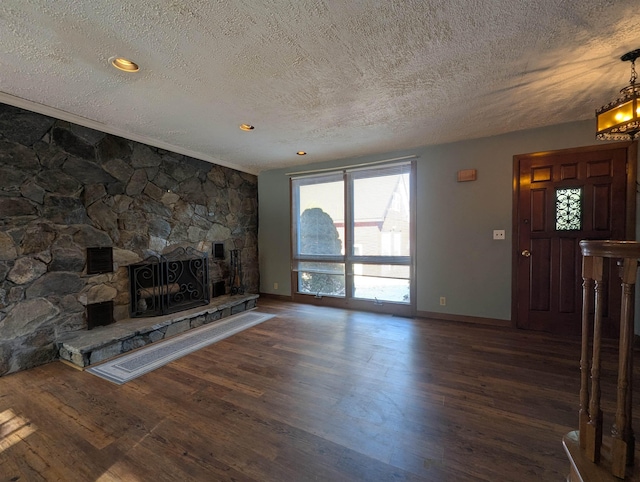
(336, 78)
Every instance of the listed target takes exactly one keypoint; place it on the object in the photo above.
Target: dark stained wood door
(560, 198)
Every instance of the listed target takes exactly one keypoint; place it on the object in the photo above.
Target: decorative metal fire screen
(168, 283)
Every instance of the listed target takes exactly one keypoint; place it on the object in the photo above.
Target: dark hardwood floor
(312, 394)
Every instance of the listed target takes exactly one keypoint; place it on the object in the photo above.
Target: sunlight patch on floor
(117, 473)
(13, 429)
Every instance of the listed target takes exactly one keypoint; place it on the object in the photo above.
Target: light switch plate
(498, 234)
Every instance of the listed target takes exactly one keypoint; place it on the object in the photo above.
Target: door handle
(526, 253)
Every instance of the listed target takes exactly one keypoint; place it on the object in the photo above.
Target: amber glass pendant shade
(620, 119)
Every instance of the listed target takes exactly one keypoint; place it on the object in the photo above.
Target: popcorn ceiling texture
(336, 78)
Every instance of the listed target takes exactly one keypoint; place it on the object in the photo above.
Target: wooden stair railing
(590, 458)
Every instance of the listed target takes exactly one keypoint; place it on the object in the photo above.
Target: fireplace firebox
(163, 284)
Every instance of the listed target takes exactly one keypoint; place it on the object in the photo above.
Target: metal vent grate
(99, 260)
(218, 289)
(99, 314)
(218, 250)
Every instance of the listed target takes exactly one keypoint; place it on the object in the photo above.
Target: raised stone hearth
(86, 348)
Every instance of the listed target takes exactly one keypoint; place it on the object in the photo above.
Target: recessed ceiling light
(246, 127)
(124, 64)
(301, 153)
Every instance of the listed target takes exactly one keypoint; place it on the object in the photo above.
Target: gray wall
(456, 255)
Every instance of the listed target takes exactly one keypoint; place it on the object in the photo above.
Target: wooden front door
(560, 198)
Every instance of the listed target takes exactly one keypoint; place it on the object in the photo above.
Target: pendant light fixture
(620, 120)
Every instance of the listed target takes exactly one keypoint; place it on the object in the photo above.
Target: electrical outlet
(443, 301)
(275, 286)
(499, 234)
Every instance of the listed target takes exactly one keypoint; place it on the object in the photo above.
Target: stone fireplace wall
(64, 188)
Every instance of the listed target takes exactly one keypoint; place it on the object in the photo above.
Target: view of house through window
(352, 234)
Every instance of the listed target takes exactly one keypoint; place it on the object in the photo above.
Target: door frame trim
(630, 221)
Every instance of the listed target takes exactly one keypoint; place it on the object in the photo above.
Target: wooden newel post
(594, 426)
(590, 415)
(587, 287)
(622, 432)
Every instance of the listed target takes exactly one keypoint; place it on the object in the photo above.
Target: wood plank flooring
(315, 393)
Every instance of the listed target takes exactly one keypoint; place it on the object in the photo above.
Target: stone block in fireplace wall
(64, 188)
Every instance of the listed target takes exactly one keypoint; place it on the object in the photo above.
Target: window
(352, 234)
(319, 234)
(569, 209)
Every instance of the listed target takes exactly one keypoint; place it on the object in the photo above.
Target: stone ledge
(84, 348)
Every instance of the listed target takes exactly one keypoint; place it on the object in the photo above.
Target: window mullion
(399, 260)
(348, 233)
